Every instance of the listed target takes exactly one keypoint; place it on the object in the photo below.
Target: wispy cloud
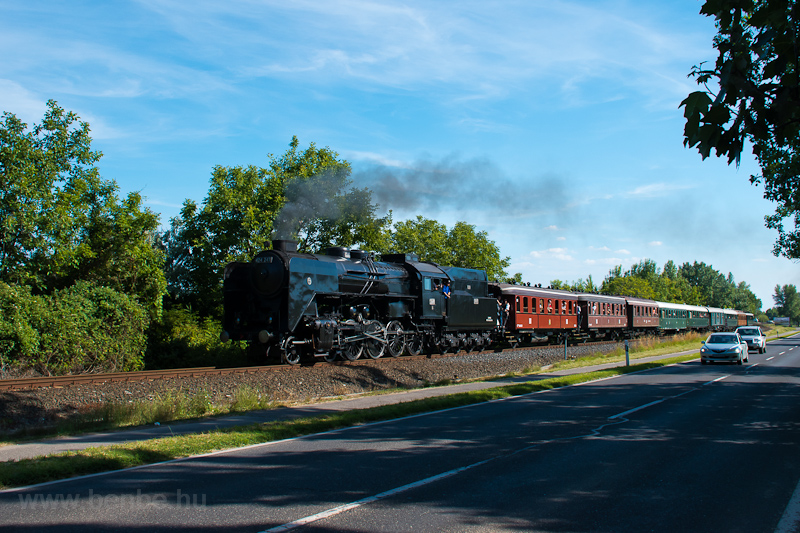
(657, 190)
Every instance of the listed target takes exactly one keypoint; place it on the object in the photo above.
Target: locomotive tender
(345, 304)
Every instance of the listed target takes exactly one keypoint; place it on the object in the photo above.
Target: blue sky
(552, 125)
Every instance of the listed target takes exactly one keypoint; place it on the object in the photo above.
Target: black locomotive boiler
(345, 304)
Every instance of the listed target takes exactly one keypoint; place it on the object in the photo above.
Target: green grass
(101, 459)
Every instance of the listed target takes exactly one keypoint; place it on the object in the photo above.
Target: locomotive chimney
(283, 245)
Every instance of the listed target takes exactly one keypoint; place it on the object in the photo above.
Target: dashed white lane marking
(770, 358)
(629, 411)
(645, 406)
(781, 353)
(346, 507)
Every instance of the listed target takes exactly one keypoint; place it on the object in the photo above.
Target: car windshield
(750, 331)
(722, 339)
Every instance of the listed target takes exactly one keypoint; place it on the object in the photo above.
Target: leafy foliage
(787, 302)
(460, 246)
(61, 223)
(757, 100)
(301, 195)
(183, 339)
(83, 328)
(693, 284)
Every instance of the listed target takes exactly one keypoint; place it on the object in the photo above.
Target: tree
(787, 302)
(460, 246)
(61, 223)
(629, 286)
(302, 195)
(757, 100)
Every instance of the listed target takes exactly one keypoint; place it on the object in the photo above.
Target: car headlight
(737, 350)
(703, 350)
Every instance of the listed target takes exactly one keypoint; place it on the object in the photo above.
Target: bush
(183, 339)
(83, 328)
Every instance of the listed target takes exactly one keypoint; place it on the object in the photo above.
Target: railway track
(150, 375)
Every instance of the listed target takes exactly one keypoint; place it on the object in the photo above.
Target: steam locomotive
(345, 304)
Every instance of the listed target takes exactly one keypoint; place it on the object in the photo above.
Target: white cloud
(655, 243)
(561, 254)
(16, 99)
(658, 190)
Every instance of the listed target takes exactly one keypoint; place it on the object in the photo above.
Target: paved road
(685, 448)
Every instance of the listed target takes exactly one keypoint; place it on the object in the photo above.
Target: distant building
(782, 321)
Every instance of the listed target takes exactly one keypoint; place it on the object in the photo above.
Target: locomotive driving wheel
(352, 350)
(414, 344)
(395, 339)
(291, 353)
(374, 346)
(330, 357)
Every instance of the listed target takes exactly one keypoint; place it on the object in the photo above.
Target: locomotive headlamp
(265, 336)
(365, 311)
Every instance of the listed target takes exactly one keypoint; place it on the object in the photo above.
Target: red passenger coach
(642, 316)
(603, 316)
(536, 313)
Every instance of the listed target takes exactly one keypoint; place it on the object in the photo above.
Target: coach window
(533, 305)
(541, 306)
(525, 304)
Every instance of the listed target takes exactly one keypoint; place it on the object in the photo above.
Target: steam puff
(306, 200)
(452, 183)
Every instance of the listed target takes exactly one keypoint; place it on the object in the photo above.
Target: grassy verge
(101, 459)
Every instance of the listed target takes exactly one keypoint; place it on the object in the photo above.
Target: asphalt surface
(682, 448)
(15, 452)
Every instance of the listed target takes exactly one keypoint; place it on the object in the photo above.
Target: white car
(724, 348)
(754, 337)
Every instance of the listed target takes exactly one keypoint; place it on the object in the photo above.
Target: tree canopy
(752, 94)
(693, 284)
(301, 195)
(787, 302)
(460, 246)
(60, 223)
